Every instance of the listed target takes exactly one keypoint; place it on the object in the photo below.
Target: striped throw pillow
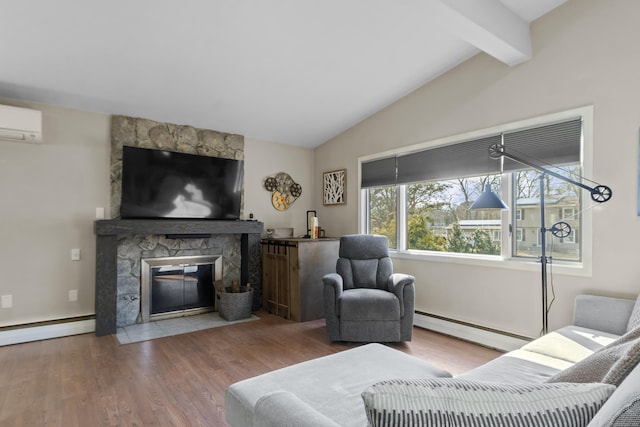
(453, 402)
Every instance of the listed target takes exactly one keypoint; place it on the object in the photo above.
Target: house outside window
(568, 213)
(424, 205)
(562, 202)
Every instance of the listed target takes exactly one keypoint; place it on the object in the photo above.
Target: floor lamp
(489, 200)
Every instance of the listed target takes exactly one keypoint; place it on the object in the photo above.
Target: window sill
(558, 267)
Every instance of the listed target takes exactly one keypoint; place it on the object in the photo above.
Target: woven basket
(235, 306)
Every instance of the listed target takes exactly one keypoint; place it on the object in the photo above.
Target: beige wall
(266, 159)
(50, 192)
(585, 53)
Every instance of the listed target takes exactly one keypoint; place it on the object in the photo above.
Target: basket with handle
(235, 305)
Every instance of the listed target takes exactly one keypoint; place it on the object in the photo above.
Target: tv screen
(164, 184)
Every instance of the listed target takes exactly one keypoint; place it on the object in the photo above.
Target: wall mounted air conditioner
(20, 124)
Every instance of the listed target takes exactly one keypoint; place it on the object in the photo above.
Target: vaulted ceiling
(291, 71)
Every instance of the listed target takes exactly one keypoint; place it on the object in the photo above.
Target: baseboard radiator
(487, 337)
(47, 330)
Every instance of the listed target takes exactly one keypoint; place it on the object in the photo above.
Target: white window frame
(571, 215)
(506, 260)
(571, 238)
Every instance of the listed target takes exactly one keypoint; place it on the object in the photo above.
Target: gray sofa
(329, 391)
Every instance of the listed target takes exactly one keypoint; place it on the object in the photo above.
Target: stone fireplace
(159, 250)
(121, 245)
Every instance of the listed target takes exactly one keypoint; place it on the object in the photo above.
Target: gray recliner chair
(364, 301)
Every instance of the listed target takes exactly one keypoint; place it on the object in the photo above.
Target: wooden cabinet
(292, 271)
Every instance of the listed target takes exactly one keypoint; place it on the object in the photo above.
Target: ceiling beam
(491, 27)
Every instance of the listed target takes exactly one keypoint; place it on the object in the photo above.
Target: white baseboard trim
(466, 332)
(44, 332)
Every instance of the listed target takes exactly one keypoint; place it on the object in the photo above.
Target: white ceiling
(297, 72)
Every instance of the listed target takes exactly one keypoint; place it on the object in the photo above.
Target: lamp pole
(543, 260)
(599, 193)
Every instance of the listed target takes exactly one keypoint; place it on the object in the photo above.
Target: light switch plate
(6, 301)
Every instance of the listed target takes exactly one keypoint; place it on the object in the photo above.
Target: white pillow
(453, 402)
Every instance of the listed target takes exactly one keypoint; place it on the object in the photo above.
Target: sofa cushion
(634, 319)
(611, 364)
(455, 402)
(570, 343)
(517, 367)
(369, 304)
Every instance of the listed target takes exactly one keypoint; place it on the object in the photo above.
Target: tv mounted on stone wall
(166, 184)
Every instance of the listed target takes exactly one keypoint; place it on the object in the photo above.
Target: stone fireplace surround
(112, 234)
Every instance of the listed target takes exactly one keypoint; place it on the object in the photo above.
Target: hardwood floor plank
(86, 380)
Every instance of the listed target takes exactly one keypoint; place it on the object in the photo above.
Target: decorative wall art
(284, 190)
(334, 184)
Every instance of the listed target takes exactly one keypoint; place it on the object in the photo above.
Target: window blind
(377, 173)
(552, 144)
(469, 158)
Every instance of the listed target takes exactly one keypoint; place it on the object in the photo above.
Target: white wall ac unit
(20, 124)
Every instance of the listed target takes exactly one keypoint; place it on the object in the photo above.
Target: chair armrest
(397, 281)
(335, 280)
(604, 314)
(282, 408)
(397, 284)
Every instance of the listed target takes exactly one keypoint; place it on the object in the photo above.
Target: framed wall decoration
(334, 187)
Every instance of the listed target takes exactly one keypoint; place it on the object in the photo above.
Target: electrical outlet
(75, 254)
(6, 301)
(73, 295)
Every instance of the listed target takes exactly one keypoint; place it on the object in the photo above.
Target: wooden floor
(84, 380)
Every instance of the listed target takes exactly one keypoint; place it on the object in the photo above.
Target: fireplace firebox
(178, 286)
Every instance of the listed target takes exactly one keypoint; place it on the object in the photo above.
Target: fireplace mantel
(107, 234)
(175, 226)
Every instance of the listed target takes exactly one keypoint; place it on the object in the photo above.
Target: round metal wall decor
(284, 190)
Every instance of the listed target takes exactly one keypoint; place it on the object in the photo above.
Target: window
(568, 213)
(562, 202)
(420, 198)
(382, 213)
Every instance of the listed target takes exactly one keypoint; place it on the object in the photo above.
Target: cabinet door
(275, 278)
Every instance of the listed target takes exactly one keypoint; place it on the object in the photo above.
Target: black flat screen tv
(165, 184)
